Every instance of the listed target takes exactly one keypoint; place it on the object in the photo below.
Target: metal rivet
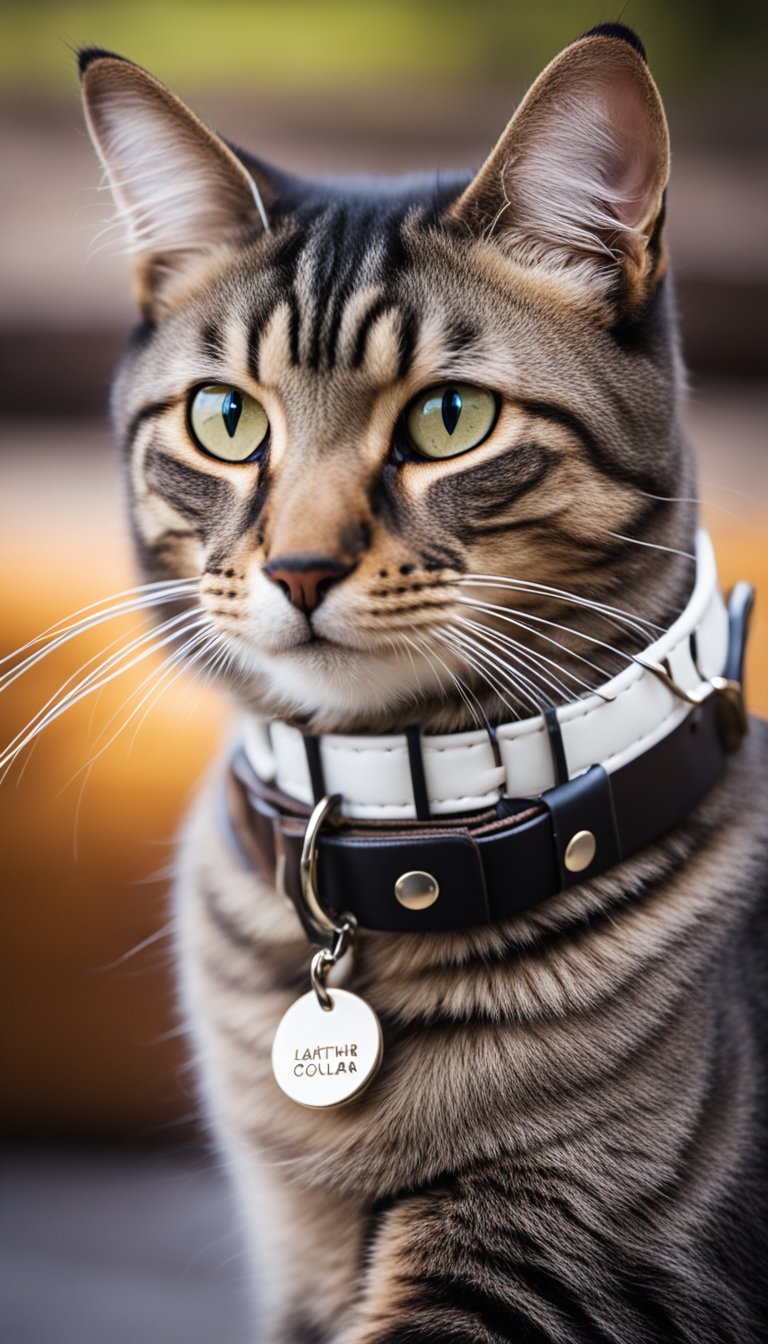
(580, 851)
(417, 891)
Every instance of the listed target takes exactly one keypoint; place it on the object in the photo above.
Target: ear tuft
(86, 55)
(620, 31)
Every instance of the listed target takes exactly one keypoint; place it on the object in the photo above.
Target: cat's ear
(577, 180)
(179, 189)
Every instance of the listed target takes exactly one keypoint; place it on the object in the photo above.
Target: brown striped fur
(566, 1142)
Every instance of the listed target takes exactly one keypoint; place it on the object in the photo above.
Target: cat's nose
(305, 579)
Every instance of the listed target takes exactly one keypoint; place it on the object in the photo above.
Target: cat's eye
(227, 423)
(450, 419)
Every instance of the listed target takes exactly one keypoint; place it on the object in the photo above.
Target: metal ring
(319, 920)
(345, 937)
(322, 963)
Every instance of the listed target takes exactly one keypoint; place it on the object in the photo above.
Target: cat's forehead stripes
(296, 301)
(373, 336)
(340, 289)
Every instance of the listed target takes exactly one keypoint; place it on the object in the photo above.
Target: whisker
(466, 693)
(517, 679)
(218, 664)
(156, 677)
(61, 694)
(57, 636)
(671, 499)
(527, 657)
(705, 502)
(201, 672)
(140, 588)
(503, 614)
(652, 545)
(711, 484)
(170, 660)
(538, 657)
(92, 683)
(393, 643)
(483, 664)
(211, 641)
(615, 614)
(485, 676)
(155, 937)
(155, 690)
(133, 642)
(33, 745)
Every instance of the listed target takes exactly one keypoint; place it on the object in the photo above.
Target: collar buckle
(732, 718)
(731, 711)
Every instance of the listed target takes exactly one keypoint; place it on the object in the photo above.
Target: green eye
(228, 423)
(450, 419)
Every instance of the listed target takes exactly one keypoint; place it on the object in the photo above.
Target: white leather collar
(633, 711)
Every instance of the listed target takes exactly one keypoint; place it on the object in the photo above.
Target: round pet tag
(326, 1057)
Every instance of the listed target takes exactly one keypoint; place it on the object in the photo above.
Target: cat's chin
(340, 686)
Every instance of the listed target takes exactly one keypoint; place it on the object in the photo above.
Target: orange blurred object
(90, 1041)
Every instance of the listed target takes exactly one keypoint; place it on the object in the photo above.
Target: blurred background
(117, 1222)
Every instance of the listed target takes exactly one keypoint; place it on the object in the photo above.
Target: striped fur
(566, 1143)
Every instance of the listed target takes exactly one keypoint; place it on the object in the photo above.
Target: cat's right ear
(180, 190)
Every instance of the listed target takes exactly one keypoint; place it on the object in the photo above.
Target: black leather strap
(496, 863)
(418, 775)
(315, 767)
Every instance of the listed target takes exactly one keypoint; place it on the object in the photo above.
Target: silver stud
(417, 891)
(580, 851)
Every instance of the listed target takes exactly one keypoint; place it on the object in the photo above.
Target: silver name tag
(326, 1056)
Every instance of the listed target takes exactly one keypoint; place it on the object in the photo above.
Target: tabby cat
(346, 404)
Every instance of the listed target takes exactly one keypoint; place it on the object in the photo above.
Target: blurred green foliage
(325, 44)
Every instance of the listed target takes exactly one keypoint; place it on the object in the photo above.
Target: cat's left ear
(179, 188)
(576, 183)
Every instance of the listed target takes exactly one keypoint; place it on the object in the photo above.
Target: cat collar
(412, 832)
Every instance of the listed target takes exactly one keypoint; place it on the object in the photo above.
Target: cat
(364, 424)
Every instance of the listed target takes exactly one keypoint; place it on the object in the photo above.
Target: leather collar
(487, 824)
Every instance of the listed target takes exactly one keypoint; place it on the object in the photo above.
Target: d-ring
(319, 920)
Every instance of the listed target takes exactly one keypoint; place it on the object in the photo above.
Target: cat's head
(367, 412)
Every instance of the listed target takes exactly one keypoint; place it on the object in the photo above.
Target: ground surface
(118, 1246)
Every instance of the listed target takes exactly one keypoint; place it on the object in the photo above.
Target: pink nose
(305, 579)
